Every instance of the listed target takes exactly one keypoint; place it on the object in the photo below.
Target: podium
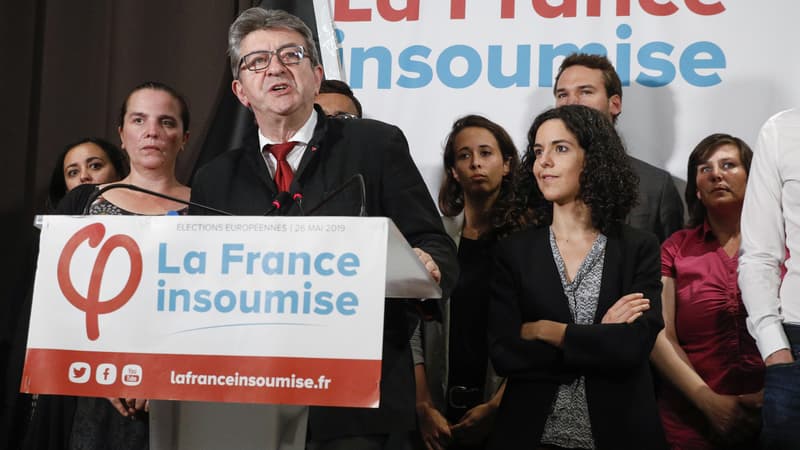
(259, 310)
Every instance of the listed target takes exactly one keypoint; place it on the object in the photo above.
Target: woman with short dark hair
(714, 374)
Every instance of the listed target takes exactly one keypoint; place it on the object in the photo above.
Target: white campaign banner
(244, 309)
(689, 67)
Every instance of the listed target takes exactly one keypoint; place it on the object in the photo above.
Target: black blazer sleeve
(510, 354)
(526, 288)
(75, 200)
(621, 346)
(408, 203)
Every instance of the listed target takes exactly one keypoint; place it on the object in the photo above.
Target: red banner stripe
(239, 379)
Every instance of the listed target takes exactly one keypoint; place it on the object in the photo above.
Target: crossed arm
(555, 350)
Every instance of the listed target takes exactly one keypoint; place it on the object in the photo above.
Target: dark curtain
(66, 69)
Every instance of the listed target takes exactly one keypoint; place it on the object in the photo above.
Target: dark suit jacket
(613, 358)
(238, 181)
(660, 208)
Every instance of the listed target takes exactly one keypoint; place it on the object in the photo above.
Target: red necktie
(283, 171)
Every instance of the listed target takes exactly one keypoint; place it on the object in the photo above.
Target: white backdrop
(417, 64)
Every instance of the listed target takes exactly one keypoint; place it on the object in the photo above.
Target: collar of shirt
(706, 233)
(302, 137)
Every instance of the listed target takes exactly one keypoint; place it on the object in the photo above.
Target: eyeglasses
(257, 61)
(343, 115)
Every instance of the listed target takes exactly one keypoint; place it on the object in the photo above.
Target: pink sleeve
(669, 249)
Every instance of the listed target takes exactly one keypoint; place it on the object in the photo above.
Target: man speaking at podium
(298, 150)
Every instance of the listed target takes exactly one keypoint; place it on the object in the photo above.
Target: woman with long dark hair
(456, 405)
(575, 307)
(85, 161)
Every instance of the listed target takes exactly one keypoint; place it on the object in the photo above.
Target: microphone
(279, 202)
(297, 197)
(362, 190)
(97, 193)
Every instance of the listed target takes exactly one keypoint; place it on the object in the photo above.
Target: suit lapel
(257, 164)
(310, 156)
(550, 280)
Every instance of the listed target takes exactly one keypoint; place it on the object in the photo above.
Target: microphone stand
(362, 191)
(132, 187)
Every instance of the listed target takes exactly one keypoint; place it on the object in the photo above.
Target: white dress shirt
(302, 137)
(770, 225)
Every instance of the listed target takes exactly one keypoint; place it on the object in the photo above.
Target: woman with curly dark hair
(575, 301)
(457, 390)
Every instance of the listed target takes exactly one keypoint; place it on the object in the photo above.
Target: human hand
(475, 425)
(129, 407)
(544, 330)
(529, 330)
(782, 356)
(753, 401)
(429, 263)
(433, 427)
(733, 418)
(627, 309)
(751, 408)
(722, 412)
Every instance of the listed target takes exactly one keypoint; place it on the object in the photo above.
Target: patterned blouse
(102, 207)
(568, 424)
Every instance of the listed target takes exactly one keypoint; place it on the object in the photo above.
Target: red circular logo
(91, 303)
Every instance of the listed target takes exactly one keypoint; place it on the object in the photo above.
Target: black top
(469, 307)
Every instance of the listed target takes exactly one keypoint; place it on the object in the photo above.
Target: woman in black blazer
(575, 307)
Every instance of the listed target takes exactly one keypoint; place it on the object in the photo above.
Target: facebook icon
(106, 374)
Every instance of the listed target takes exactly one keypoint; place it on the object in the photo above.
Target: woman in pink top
(714, 375)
